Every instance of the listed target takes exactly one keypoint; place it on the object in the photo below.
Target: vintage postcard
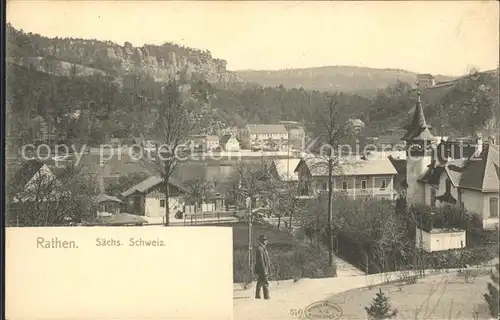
(252, 160)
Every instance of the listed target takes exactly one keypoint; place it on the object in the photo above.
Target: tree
(173, 123)
(492, 297)
(51, 199)
(333, 129)
(380, 307)
(198, 190)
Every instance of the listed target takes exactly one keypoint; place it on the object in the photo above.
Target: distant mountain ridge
(333, 78)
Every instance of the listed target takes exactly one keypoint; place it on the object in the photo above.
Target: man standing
(262, 268)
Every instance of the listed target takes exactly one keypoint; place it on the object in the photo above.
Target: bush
(459, 258)
(287, 263)
(492, 297)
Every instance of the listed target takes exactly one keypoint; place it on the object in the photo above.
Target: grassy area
(436, 297)
(274, 236)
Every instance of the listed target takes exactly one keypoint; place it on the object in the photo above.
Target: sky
(435, 37)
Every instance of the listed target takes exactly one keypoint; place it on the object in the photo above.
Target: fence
(209, 217)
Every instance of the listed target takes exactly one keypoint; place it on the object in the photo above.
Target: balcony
(389, 193)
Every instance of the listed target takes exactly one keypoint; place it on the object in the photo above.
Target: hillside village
(411, 197)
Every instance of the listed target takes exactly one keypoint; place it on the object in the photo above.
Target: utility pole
(250, 237)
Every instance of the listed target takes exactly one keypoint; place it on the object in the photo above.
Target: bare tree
(334, 129)
(198, 191)
(171, 126)
(51, 199)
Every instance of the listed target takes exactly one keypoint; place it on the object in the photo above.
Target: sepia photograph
(252, 159)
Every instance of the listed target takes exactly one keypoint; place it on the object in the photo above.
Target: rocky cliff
(161, 63)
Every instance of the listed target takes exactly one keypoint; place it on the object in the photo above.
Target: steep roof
(152, 182)
(224, 139)
(282, 165)
(27, 171)
(481, 173)
(267, 129)
(478, 173)
(418, 129)
(352, 166)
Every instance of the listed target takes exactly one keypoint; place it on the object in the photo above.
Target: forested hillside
(108, 84)
(361, 80)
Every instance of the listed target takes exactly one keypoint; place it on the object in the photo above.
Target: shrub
(458, 258)
(380, 307)
(287, 262)
(492, 297)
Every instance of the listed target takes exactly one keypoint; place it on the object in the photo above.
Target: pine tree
(380, 307)
(492, 297)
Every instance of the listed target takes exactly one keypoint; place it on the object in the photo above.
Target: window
(109, 207)
(494, 207)
(433, 197)
(324, 185)
(344, 185)
(363, 184)
(448, 186)
(162, 203)
(383, 184)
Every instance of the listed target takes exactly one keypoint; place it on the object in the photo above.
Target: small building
(108, 205)
(426, 80)
(211, 142)
(32, 175)
(229, 143)
(148, 198)
(440, 239)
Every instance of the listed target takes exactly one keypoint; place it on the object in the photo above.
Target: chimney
(479, 145)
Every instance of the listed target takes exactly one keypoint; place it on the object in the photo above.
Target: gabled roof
(352, 166)
(282, 165)
(27, 171)
(266, 129)
(152, 182)
(399, 165)
(224, 139)
(481, 174)
(212, 138)
(104, 197)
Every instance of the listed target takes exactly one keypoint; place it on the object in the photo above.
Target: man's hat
(262, 237)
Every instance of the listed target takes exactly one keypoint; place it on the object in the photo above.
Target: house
(353, 176)
(229, 143)
(258, 135)
(108, 205)
(211, 142)
(426, 80)
(148, 199)
(284, 170)
(296, 133)
(32, 175)
(456, 171)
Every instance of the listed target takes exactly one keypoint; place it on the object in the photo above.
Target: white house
(148, 199)
(452, 171)
(229, 143)
(353, 176)
(259, 134)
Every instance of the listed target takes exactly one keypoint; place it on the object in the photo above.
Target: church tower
(419, 144)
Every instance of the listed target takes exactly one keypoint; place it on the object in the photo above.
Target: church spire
(418, 130)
